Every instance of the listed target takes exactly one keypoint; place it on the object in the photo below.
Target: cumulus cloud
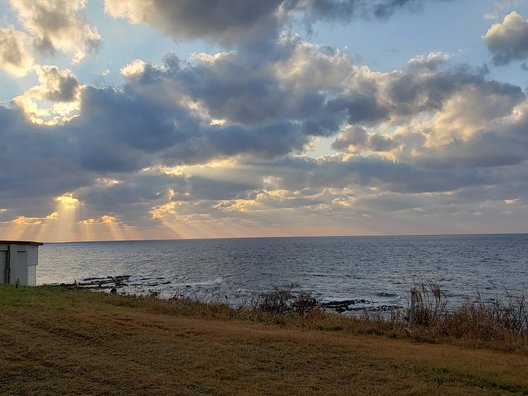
(56, 100)
(463, 116)
(358, 140)
(316, 89)
(225, 21)
(137, 66)
(58, 25)
(15, 54)
(508, 41)
(35, 163)
(187, 113)
(245, 21)
(465, 132)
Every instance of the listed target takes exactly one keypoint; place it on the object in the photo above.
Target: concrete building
(18, 262)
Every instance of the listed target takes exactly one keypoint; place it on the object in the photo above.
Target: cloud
(35, 220)
(358, 140)
(136, 67)
(57, 85)
(56, 100)
(39, 165)
(508, 41)
(182, 113)
(225, 21)
(58, 25)
(463, 116)
(104, 219)
(186, 142)
(431, 60)
(222, 139)
(465, 132)
(315, 88)
(345, 10)
(15, 54)
(246, 22)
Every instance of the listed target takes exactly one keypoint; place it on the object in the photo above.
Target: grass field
(55, 341)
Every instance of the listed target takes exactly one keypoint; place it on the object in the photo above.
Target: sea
(374, 271)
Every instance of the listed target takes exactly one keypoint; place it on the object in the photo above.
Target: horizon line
(285, 236)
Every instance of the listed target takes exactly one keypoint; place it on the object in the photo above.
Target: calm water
(378, 269)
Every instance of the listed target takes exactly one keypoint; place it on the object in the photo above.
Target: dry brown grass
(55, 342)
(496, 324)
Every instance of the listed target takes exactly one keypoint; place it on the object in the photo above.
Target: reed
(498, 321)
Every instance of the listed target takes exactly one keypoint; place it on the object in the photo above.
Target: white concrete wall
(3, 262)
(23, 262)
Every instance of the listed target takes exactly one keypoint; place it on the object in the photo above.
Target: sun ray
(67, 209)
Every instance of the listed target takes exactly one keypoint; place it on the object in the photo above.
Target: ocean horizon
(292, 236)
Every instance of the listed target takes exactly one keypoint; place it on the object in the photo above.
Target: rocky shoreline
(115, 284)
(357, 305)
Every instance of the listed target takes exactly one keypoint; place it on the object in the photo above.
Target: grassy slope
(55, 341)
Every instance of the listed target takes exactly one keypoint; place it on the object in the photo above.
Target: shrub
(283, 300)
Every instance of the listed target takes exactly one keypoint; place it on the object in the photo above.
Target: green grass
(55, 341)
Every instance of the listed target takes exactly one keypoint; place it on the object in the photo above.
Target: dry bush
(304, 303)
(283, 300)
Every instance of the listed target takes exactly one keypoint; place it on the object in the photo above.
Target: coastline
(379, 270)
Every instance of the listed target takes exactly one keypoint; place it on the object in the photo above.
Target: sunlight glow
(46, 103)
(107, 227)
(68, 201)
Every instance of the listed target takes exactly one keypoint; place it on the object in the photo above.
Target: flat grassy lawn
(54, 341)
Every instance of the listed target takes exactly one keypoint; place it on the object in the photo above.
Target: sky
(155, 119)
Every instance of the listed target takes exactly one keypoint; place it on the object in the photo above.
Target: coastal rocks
(109, 282)
(358, 305)
(342, 303)
(217, 290)
(115, 282)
